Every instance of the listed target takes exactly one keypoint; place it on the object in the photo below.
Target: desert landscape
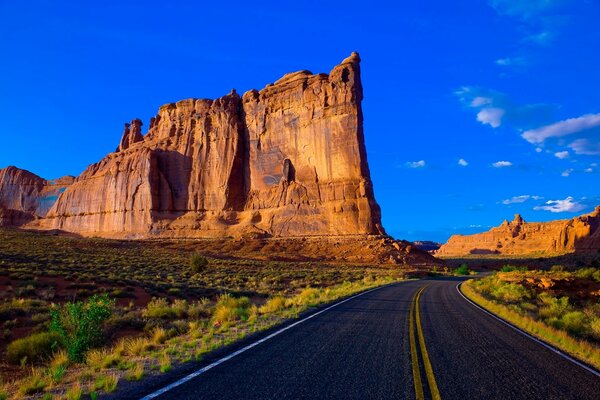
(272, 243)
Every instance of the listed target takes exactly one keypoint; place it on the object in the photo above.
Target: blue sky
(474, 110)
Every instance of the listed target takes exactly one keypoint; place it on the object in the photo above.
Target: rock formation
(517, 238)
(25, 196)
(288, 160)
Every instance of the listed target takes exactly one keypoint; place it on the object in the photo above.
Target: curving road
(412, 340)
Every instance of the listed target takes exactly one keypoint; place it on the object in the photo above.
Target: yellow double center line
(415, 315)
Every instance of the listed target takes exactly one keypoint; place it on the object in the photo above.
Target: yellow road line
(413, 351)
(435, 393)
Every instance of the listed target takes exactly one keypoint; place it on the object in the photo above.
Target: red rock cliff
(25, 196)
(288, 160)
(580, 234)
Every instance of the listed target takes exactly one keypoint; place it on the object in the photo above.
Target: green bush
(463, 269)
(574, 322)
(33, 348)
(79, 324)
(510, 292)
(198, 263)
(511, 268)
(159, 308)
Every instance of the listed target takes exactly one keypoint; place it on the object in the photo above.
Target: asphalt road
(362, 349)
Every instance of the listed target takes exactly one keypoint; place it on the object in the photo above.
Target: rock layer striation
(516, 238)
(288, 160)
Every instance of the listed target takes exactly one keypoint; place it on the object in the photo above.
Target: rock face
(577, 235)
(288, 160)
(25, 196)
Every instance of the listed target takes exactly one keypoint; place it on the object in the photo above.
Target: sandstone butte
(519, 238)
(288, 161)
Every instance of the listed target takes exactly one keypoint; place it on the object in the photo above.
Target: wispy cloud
(567, 172)
(495, 108)
(511, 62)
(502, 164)
(462, 162)
(525, 10)
(520, 199)
(557, 206)
(585, 146)
(562, 128)
(416, 164)
(561, 154)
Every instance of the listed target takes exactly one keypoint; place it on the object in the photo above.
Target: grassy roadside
(585, 350)
(228, 320)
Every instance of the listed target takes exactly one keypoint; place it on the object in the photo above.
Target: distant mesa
(286, 161)
(519, 238)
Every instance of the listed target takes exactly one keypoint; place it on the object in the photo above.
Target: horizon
(474, 131)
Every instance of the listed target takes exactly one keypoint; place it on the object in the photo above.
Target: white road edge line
(546, 345)
(248, 347)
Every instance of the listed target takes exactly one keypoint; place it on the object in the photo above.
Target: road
(365, 348)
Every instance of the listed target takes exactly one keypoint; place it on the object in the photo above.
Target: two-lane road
(364, 349)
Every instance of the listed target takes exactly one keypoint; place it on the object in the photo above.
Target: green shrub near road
(79, 324)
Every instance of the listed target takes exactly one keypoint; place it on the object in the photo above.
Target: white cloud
(562, 128)
(561, 154)
(495, 108)
(481, 101)
(585, 146)
(416, 164)
(567, 172)
(588, 170)
(557, 206)
(520, 199)
(462, 162)
(491, 116)
(502, 164)
(538, 150)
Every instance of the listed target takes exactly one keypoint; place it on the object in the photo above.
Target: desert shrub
(511, 268)
(79, 324)
(272, 305)
(510, 292)
(200, 309)
(463, 269)
(230, 308)
(159, 308)
(557, 268)
(75, 392)
(552, 307)
(198, 263)
(159, 335)
(588, 273)
(574, 322)
(32, 384)
(33, 348)
(307, 297)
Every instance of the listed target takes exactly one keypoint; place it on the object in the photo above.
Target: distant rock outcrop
(427, 245)
(25, 196)
(578, 235)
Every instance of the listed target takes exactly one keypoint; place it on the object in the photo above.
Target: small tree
(198, 262)
(463, 269)
(79, 324)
